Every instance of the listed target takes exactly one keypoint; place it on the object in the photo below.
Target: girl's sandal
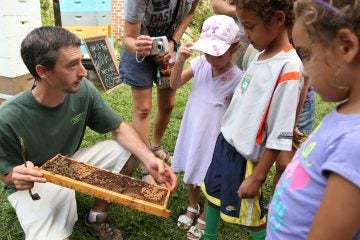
(184, 221)
(195, 233)
(161, 153)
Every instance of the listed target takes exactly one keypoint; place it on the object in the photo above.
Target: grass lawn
(135, 224)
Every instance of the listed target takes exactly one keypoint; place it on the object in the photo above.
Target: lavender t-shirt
(333, 147)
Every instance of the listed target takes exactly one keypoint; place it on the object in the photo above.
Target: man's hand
(127, 137)
(249, 188)
(162, 173)
(23, 178)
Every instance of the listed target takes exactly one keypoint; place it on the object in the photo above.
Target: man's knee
(130, 166)
(106, 154)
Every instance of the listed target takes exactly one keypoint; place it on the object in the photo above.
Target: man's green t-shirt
(47, 131)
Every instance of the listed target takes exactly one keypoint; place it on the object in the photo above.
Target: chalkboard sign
(105, 63)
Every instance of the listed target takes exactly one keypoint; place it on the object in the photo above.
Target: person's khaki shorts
(54, 215)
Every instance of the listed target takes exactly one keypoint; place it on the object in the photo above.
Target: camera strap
(176, 11)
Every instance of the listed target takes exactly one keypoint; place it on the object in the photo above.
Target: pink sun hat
(218, 33)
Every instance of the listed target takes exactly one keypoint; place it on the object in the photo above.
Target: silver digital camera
(159, 45)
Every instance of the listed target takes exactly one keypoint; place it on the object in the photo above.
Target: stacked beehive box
(17, 18)
(87, 18)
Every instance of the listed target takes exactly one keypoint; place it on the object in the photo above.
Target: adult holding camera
(141, 58)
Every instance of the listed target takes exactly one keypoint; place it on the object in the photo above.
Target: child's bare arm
(339, 214)
(298, 136)
(179, 76)
(251, 185)
(223, 7)
(302, 97)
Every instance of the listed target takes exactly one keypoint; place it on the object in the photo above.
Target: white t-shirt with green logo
(263, 109)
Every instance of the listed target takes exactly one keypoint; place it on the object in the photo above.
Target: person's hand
(185, 51)
(298, 138)
(162, 173)
(23, 178)
(249, 188)
(143, 45)
(168, 178)
(162, 58)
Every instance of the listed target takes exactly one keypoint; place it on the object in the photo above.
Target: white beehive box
(17, 18)
(19, 7)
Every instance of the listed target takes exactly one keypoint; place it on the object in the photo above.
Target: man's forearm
(127, 137)
(185, 22)
(222, 7)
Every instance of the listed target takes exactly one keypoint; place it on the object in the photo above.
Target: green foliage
(322, 109)
(47, 12)
(9, 227)
(117, 46)
(203, 11)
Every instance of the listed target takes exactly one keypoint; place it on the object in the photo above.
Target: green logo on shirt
(245, 82)
(78, 118)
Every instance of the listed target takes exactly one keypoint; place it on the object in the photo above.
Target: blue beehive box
(84, 13)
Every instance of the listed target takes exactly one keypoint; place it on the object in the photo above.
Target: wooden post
(57, 14)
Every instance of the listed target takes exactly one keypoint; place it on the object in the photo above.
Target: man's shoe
(103, 228)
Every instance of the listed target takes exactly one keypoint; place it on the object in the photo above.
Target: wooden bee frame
(145, 204)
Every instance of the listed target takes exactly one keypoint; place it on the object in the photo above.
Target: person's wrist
(176, 43)
(258, 177)
(8, 178)
(181, 59)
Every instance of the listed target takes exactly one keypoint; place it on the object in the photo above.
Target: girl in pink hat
(214, 80)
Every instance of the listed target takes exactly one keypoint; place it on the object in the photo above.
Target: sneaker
(103, 228)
